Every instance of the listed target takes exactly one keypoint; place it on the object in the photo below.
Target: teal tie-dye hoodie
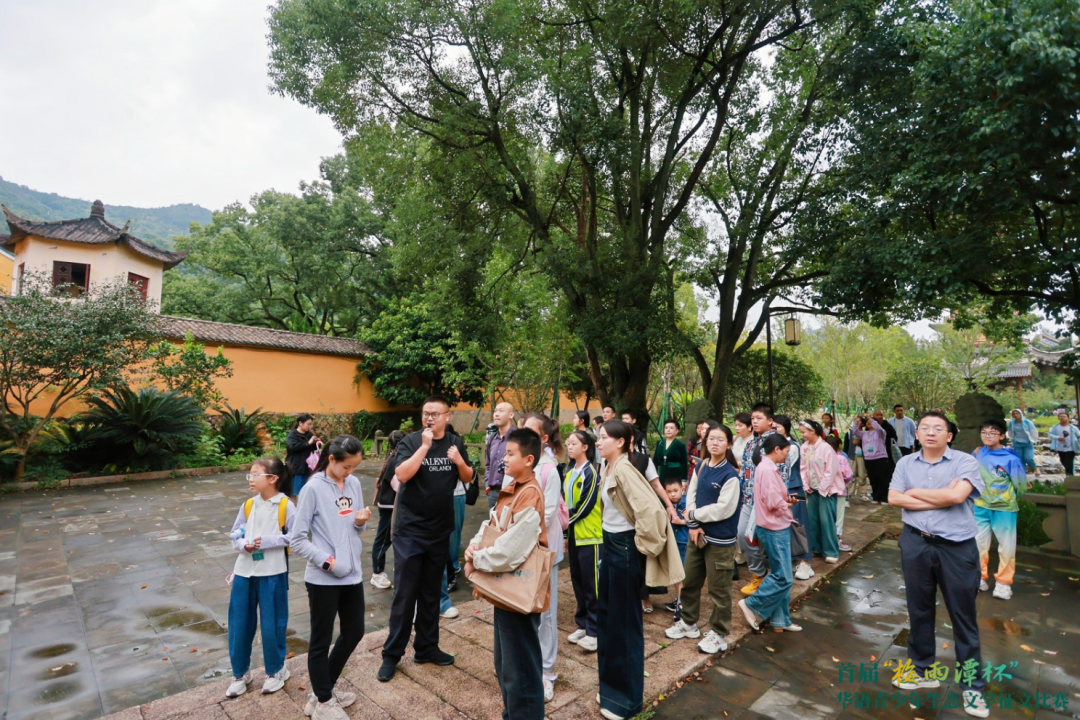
(1004, 477)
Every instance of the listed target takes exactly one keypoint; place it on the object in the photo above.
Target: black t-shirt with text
(425, 504)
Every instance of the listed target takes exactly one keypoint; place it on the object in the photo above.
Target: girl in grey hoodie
(332, 510)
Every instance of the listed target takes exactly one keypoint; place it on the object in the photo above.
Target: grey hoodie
(329, 514)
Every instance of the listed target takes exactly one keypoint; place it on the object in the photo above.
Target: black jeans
(418, 571)
(620, 637)
(519, 665)
(954, 567)
(1067, 459)
(382, 540)
(878, 472)
(584, 574)
(346, 602)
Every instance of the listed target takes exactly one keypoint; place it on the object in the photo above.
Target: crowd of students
(631, 525)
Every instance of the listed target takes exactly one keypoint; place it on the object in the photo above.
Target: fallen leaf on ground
(873, 658)
(678, 684)
(944, 645)
(868, 577)
(836, 659)
(302, 688)
(193, 650)
(1025, 647)
(143, 587)
(843, 582)
(164, 659)
(289, 656)
(1050, 652)
(1038, 662)
(769, 649)
(1045, 594)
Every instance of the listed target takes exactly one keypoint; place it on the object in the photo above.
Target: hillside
(157, 225)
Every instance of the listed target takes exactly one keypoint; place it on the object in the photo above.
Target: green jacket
(672, 460)
(582, 494)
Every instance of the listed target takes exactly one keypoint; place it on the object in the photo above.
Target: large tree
(593, 125)
(963, 180)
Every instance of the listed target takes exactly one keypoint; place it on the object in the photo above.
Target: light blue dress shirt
(956, 523)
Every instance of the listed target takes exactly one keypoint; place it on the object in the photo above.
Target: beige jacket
(636, 500)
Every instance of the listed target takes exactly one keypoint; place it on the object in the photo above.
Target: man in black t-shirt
(429, 465)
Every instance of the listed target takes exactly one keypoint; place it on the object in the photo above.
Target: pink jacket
(771, 510)
(820, 464)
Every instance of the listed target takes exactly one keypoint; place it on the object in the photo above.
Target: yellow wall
(106, 261)
(7, 267)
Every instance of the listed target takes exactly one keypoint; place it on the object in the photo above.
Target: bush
(1029, 529)
(144, 430)
(365, 424)
(239, 430)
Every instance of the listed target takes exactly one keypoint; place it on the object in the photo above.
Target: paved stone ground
(861, 615)
(114, 597)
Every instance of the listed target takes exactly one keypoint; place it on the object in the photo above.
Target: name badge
(257, 555)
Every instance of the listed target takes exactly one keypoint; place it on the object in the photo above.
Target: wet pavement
(860, 617)
(115, 596)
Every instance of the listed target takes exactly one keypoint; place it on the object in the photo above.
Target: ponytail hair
(549, 428)
(589, 442)
(274, 466)
(339, 448)
(301, 418)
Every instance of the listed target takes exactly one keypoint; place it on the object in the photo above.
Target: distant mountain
(156, 225)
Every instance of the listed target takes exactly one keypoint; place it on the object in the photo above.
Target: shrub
(147, 429)
(240, 430)
(206, 453)
(365, 424)
(1029, 529)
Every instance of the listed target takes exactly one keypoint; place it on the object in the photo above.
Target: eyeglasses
(251, 476)
(990, 433)
(434, 415)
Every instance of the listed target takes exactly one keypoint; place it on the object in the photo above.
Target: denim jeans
(251, 600)
(620, 636)
(1026, 451)
(517, 665)
(454, 562)
(772, 601)
(382, 540)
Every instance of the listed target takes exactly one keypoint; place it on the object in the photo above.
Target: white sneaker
(575, 637)
(1002, 591)
(608, 715)
(344, 700)
(983, 586)
(683, 630)
(975, 703)
(920, 683)
(238, 686)
(329, 710)
(750, 615)
(832, 560)
(588, 644)
(712, 643)
(804, 571)
(451, 613)
(276, 681)
(549, 691)
(380, 581)
(844, 547)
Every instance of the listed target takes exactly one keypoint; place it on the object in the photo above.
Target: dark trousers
(346, 602)
(585, 575)
(1067, 459)
(519, 665)
(878, 472)
(904, 451)
(418, 572)
(382, 540)
(493, 496)
(801, 512)
(620, 637)
(953, 567)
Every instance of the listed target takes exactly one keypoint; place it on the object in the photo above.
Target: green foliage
(144, 430)
(1029, 529)
(796, 385)
(188, 370)
(239, 430)
(157, 225)
(205, 453)
(1045, 487)
(58, 350)
(921, 384)
(366, 424)
(414, 355)
(307, 263)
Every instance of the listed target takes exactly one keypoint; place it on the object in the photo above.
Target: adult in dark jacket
(299, 444)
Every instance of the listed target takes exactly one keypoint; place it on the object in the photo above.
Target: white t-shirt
(612, 520)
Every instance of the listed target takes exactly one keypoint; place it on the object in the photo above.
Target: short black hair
(994, 423)
(783, 421)
(773, 442)
(833, 441)
(673, 421)
(763, 408)
(672, 479)
(436, 399)
(631, 413)
(528, 442)
(609, 406)
(598, 419)
(935, 414)
(898, 405)
(744, 418)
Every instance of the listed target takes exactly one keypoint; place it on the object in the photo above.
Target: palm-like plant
(144, 429)
(240, 430)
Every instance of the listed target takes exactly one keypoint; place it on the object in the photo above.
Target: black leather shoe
(386, 671)
(451, 585)
(440, 658)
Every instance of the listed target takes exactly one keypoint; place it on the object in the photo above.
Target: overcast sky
(149, 103)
